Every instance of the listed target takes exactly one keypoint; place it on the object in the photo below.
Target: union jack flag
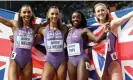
(124, 48)
(37, 56)
(99, 51)
(123, 45)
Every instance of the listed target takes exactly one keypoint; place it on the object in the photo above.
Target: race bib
(55, 45)
(13, 55)
(24, 42)
(114, 56)
(73, 49)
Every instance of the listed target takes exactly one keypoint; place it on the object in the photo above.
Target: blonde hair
(105, 7)
(101, 4)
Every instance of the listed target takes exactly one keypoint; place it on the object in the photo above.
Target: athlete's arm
(9, 23)
(93, 36)
(116, 22)
(39, 35)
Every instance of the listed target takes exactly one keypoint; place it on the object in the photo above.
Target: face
(53, 15)
(101, 12)
(76, 19)
(26, 13)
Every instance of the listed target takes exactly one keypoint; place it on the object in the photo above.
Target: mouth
(75, 22)
(27, 18)
(55, 20)
(101, 16)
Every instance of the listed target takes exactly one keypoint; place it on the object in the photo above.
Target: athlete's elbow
(98, 40)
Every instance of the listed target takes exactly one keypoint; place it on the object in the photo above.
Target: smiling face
(53, 15)
(101, 12)
(76, 19)
(26, 14)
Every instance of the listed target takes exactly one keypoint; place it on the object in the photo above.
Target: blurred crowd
(67, 7)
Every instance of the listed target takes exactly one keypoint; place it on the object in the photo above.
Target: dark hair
(83, 23)
(20, 20)
(59, 23)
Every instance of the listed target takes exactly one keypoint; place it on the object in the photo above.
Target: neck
(53, 25)
(103, 21)
(26, 24)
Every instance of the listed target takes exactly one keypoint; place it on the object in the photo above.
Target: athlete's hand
(11, 38)
(69, 26)
(43, 24)
(107, 27)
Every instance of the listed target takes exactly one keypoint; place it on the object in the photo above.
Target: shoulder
(14, 24)
(42, 30)
(114, 22)
(85, 30)
(36, 26)
(14, 21)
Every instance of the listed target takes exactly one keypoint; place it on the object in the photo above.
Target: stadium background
(40, 8)
(67, 7)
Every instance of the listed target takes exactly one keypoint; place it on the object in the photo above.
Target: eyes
(100, 10)
(54, 14)
(76, 17)
(24, 12)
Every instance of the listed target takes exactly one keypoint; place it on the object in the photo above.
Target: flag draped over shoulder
(124, 45)
(5, 49)
(99, 50)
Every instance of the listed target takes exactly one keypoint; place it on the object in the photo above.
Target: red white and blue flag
(5, 49)
(123, 47)
(99, 50)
